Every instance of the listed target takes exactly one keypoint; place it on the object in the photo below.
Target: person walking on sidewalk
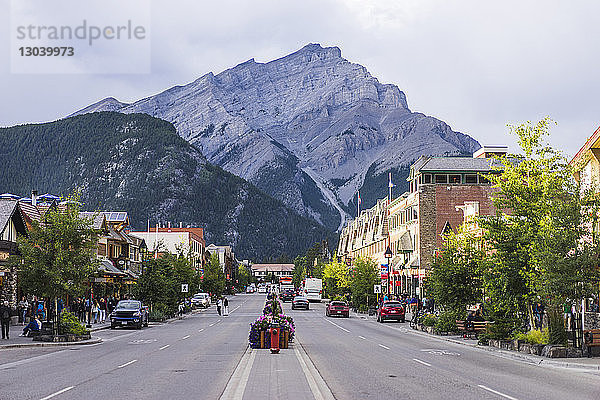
(5, 319)
(225, 307)
(102, 309)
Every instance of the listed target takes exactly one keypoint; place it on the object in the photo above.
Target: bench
(475, 329)
(591, 339)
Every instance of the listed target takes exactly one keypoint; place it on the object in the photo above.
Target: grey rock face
(312, 109)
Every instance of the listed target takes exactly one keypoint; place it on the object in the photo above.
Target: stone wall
(427, 224)
(591, 321)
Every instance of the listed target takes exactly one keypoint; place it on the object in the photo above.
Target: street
(357, 358)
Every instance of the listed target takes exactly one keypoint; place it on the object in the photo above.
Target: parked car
(249, 289)
(287, 295)
(129, 313)
(201, 300)
(300, 302)
(337, 307)
(390, 310)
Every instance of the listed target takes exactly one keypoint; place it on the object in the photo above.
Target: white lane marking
(185, 337)
(211, 324)
(165, 346)
(362, 337)
(334, 324)
(200, 330)
(239, 379)
(57, 393)
(317, 385)
(385, 347)
(496, 392)
(422, 362)
(235, 309)
(127, 363)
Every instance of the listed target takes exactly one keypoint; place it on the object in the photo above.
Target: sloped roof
(7, 209)
(458, 164)
(97, 218)
(30, 211)
(108, 267)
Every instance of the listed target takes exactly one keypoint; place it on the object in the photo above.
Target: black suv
(287, 295)
(129, 313)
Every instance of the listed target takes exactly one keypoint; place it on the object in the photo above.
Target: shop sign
(4, 255)
(99, 280)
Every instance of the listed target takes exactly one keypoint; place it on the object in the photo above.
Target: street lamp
(388, 256)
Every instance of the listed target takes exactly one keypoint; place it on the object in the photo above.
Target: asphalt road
(205, 356)
(363, 359)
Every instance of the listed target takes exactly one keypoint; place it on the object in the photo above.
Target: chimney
(34, 194)
(491, 151)
(181, 224)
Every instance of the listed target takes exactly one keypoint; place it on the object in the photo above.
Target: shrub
(156, 316)
(446, 322)
(428, 319)
(556, 329)
(534, 336)
(69, 324)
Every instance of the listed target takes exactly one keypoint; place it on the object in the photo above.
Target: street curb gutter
(51, 344)
(317, 384)
(236, 386)
(514, 355)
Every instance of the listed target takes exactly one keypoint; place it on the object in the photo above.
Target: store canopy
(107, 267)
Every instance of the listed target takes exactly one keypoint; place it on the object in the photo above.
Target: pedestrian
(181, 308)
(88, 311)
(102, 308)
(225, 307)
(219, 302)
(5, 319)
(23, 307)
(95, 309)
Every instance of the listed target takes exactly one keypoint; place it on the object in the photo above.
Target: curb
(515, 355)
(51, 344)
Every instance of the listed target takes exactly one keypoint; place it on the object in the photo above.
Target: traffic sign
(184, 288)
(377, 288)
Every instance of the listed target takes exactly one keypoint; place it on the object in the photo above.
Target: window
(470, 178)
(455, 179)
(427, 178)
(483, 180)
(441, 178)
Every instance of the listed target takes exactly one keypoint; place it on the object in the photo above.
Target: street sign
(377, 288)
(184, 288)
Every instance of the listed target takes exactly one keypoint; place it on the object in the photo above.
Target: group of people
(412, 303)
(93, 311)
(223, 306)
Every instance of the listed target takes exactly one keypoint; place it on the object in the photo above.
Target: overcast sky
(477, 65)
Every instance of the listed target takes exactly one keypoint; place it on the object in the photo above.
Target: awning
(405, 242)
(107, 267)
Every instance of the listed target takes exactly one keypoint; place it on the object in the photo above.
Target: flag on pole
(358, 204)
(391, 184)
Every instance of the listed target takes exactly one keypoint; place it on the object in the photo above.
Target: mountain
(310, 129)
(137, 163)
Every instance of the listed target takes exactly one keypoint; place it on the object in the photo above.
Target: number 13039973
(46, 51)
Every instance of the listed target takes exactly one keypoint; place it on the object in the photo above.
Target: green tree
(244, 276)
(538, 231)
(214, 278)
(336, 277)
(365, 275)
(299, 272)
(59, 256)
(456, 276)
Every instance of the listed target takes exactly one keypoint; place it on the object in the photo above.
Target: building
(586, 170)
(189, 241)
(260, 271)
(227, 261)
(12, 225)
(443, 191)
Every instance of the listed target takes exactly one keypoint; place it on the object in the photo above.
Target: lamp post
(388, 256)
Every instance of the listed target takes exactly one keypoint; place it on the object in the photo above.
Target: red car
(390, 310)
(337, 308)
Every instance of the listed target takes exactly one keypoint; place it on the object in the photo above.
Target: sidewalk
(20, 341)
(592, 364)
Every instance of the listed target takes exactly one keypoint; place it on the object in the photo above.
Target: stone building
(12, 224)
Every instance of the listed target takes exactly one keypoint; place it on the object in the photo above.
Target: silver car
(201, 300)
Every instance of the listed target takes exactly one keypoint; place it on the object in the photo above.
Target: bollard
(274, 338)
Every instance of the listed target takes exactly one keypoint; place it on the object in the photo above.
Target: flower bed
(259, 336)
